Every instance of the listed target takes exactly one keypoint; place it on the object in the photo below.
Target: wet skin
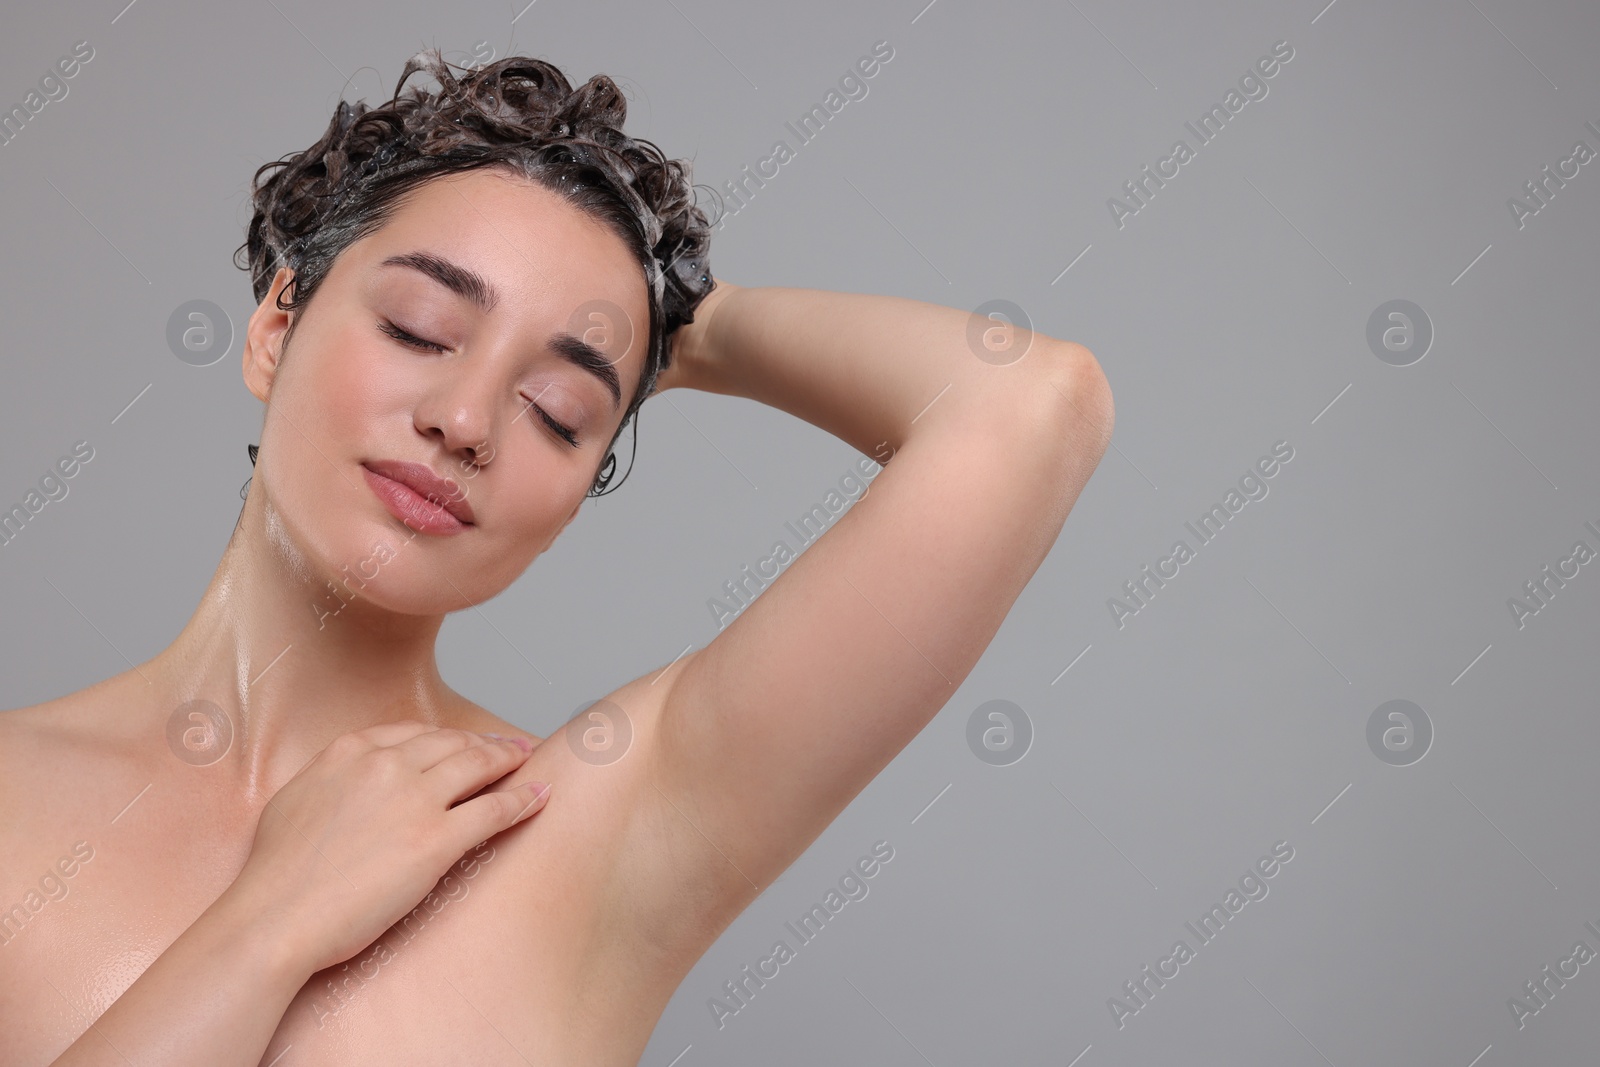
(560, 940)
(563, 939)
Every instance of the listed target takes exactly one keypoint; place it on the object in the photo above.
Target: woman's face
(487, 406)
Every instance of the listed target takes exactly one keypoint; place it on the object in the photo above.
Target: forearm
(872, 370)
(214, 998)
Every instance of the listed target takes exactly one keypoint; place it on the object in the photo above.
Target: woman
(464, 297)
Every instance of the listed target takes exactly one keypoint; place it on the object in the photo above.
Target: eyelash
(565, 433)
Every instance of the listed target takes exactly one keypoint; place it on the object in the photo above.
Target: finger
(358, 743)
(463, 773)
(391, 733)
(426, 750)
(482, 817)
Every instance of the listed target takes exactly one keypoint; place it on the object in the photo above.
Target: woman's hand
(365, 830)
(344, 849)
(686, 368)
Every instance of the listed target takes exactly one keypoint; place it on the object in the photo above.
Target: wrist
(694, 353)
(266, 935)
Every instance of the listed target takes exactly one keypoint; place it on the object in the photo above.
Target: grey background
(1229, 314)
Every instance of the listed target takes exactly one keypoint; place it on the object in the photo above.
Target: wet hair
(516, 113)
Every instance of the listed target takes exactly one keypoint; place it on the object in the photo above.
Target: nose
(458, 410)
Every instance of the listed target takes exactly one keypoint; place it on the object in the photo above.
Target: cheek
(353, 384)
(529, 512)
(535, 506)
(327, 412)
(531, 499)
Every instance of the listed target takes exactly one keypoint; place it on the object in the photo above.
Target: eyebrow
(476, 288)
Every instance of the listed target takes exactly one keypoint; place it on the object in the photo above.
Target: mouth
(418, 497)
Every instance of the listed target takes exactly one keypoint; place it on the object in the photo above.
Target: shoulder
(33, 740)
(60, 762)
(103, 720)
(35, 751)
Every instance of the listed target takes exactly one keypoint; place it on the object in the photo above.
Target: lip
(418, 497)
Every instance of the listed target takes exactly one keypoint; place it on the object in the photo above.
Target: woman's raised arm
(773, 727)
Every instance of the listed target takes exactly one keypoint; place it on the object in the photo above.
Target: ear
(263, 338)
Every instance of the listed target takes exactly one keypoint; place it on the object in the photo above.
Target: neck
(295, 663)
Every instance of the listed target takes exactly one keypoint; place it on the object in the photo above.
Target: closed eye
(565, 433)
(408, 339)
(413, 341)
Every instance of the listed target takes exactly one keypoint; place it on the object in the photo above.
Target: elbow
(1078, 402)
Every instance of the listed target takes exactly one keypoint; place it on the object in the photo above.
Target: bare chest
(523, 951)
(485, 970)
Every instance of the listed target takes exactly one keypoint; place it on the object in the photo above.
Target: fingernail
(540, 789)
(523, 743)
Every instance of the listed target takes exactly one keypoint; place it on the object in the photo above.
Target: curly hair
(518, 113)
